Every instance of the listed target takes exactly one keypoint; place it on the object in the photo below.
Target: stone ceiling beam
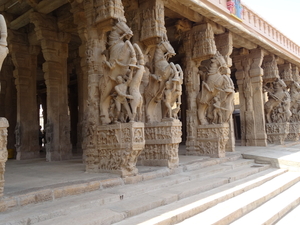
(45, 7)
(183, 11)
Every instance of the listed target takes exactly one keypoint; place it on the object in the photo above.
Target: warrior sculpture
(214, 84)
(121, 58)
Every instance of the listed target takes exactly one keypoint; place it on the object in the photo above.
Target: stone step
(236, 207)
(128, 204)
(185, 208)
(63, 190)
(274, 209)
(291, 218)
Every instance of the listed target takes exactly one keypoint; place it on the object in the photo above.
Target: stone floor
(23, 177)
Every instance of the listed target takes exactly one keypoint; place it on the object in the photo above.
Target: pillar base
(294, 132)
(27, 155)
(211, 140)
(162, 144)
(277, 132)
(119, 146)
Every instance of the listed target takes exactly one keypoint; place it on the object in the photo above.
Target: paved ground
(32, 175)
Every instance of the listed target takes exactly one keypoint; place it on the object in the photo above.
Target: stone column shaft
(25, 60)
(249, 75)
(3, 151)
(55, 51)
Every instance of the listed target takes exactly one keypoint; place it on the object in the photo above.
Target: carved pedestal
(3, 151)
(119, 146)
(162, 143)
(294, 132)
(277, 132)
(211, 140)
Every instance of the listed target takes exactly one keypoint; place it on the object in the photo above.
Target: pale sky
(284, 15)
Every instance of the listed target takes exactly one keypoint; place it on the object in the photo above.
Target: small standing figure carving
(122, 96)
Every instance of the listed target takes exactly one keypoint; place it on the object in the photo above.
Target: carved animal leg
(140, 110)
(201, 114)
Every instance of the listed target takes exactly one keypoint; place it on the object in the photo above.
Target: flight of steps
(241, 185)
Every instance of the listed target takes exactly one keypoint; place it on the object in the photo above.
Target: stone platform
(31, 182)
(286, 156)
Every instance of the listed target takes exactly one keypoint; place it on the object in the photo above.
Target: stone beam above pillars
(249, 78)
(55, 51)
(24, 58)
(45, 6)
(184, 11)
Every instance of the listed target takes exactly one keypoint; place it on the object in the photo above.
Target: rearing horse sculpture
(214, 83)
(162, 71)
(276, 97)
(122, 56)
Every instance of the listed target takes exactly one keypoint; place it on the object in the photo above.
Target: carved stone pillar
(249, 78)
(270, 68)
(153, 21)
(192, 84)
(3, 151)
(210, 96)
(25, 60)
(55, 51)
(295, 106)
(164, 79)
(224, 45)
(285, 71)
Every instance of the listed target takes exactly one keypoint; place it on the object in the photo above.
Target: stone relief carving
(295, 73)
(271, 72)
(204, 43)
(215, 99)
(162, 142)
(109, 9)
(18, 134)
(49, 136)
(152, 21)
(212, 140)
(119, 146)
(285, 72)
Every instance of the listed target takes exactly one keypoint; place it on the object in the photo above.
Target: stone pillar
(8, 102)
(3, 151)
(162, 128)
(192, 84)
(81, 69)
(249, 78)
(208, 76)
(24, 58)
(224, 45)
(55, 51)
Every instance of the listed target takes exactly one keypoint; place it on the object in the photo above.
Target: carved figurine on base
(121, 97)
